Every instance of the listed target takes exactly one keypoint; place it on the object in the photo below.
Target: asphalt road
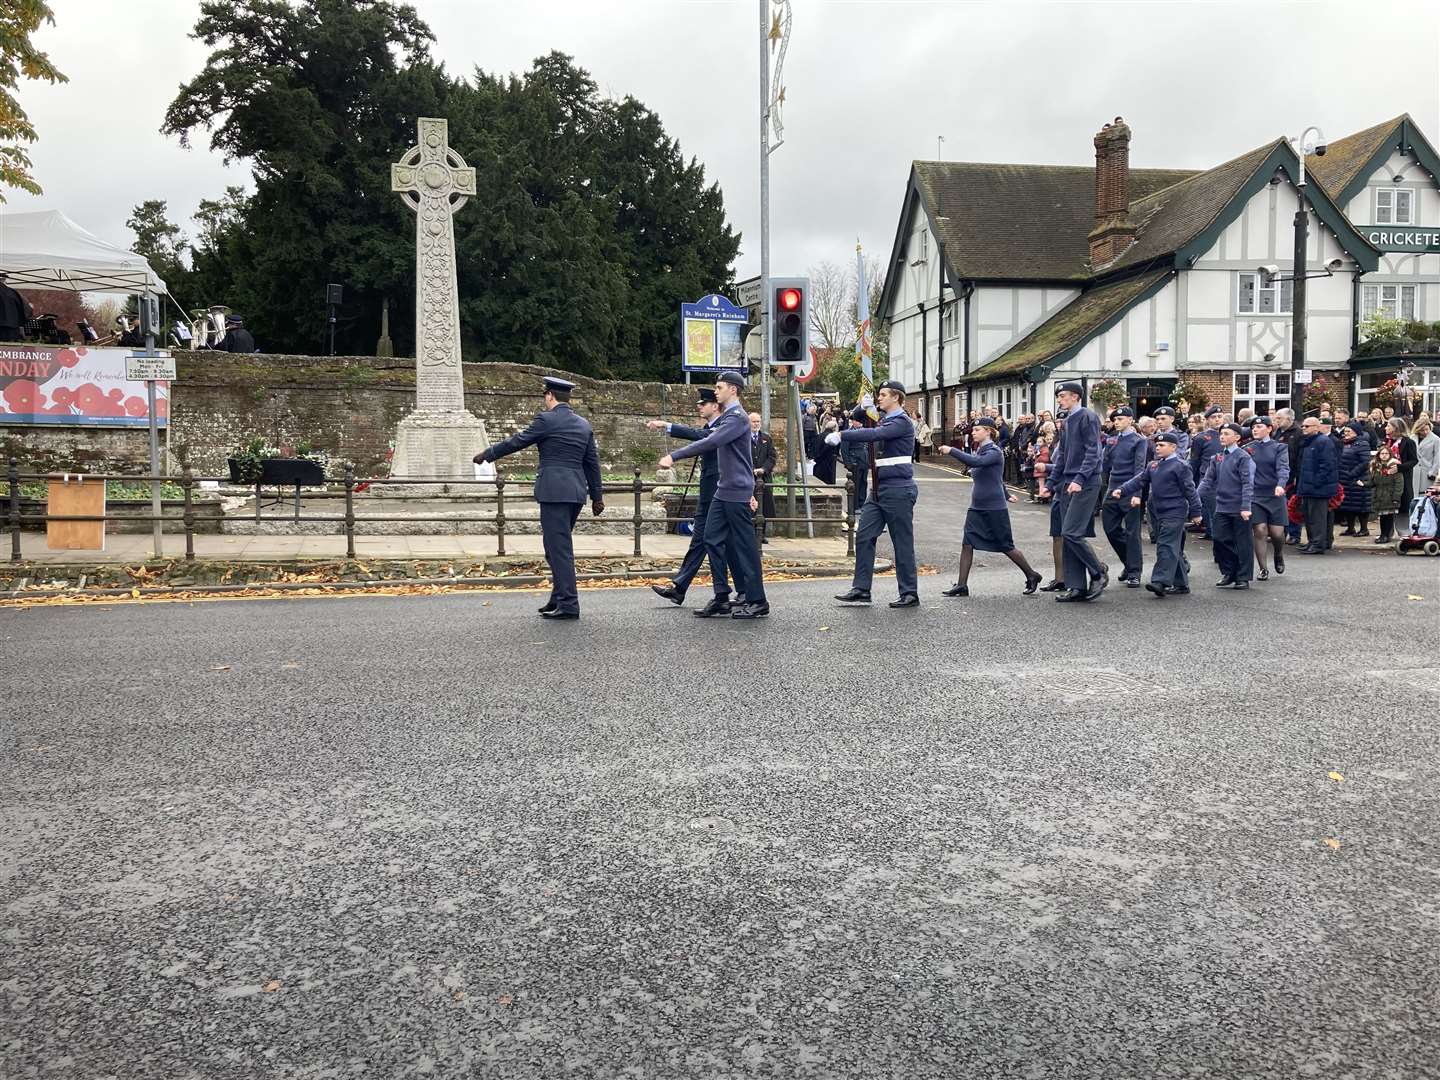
(990, 838)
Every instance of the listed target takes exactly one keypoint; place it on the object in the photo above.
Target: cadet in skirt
(987, 523)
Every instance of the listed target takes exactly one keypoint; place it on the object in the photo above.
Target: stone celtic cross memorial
(439, 438)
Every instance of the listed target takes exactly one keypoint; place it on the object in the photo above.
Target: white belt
(892, 461)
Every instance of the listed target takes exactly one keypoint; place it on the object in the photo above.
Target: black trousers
(1317, 521)
(1234, 545)
(1121, 522)
(557, 521)
(767, 502)
(695, 556)
(730, 536)
(1077, 516)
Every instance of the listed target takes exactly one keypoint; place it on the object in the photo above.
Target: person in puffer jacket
(1355, 479)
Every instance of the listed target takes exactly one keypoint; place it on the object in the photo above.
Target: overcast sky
(870, 86)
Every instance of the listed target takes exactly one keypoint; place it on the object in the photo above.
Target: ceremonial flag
(862, 337)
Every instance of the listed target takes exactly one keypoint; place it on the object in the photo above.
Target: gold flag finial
(774, 34)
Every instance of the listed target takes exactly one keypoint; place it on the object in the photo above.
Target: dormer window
(1394, 206)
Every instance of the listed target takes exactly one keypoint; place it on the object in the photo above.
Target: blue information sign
(712, 335)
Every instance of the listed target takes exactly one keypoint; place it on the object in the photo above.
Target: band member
(987, 522)
(892, 504)
(569, 465)
(730, 522)
(709, 410)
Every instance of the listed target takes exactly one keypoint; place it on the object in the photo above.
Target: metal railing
(345, 489)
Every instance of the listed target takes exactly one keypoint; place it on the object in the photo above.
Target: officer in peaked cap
(709, 410)
(569, 468)
(891, 504)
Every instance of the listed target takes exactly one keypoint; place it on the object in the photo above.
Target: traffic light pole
(765, 232)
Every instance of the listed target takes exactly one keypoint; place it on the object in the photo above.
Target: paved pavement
(992, 838)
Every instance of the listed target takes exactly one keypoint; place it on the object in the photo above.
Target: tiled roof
(1069, 327)
(1345, 157)
(1020, 222)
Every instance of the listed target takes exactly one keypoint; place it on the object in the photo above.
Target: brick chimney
(1114, 231)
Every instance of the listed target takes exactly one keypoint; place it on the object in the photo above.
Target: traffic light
(790, 321)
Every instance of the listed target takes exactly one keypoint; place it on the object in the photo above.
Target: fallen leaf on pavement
(506, 999)
(824, 628)
(220, 667)
(271, 986)
(1332, 843)
(135, 593)
(289, 665)
(459, 995)
(1339, 778)
(1412, 596)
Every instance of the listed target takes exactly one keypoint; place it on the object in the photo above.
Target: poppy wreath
(1338, 497)
(1293, 511)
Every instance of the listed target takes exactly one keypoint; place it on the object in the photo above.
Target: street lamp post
(1311, 140)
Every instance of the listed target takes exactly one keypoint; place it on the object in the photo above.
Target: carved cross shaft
(435, 182)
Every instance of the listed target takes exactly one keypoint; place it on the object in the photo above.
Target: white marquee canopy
(46, 250)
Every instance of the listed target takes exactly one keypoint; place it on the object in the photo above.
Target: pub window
(1394, 206)
(1263, 391)
(952, 319)
(1393, 301)
(1255, 298)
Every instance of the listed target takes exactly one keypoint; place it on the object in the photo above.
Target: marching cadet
(1045, 477)
(987, 522)
(1230, 484)
(569, 465)
(1268, 516)
(1124, 456)
(730, 522)
(1076, 483)
(1165, 421)
(709, 410)
(1202, 450)
(1172, 495)
(892, 504)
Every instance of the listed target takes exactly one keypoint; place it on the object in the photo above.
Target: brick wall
(1220, 386)
(349, 406)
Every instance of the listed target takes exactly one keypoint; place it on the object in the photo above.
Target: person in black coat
(762, 457)
(237, 339)
(1355, 479)
(15, 313)
(1397, 436)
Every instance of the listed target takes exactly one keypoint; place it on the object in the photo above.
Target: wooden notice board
(80, 496)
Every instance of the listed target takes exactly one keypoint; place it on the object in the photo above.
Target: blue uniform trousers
(1171, 566)
(730, 539)
(893, 508)
(1234, 545)
(695, 555)
(556, 522)
(1077, 519)
(1207, 512)
(1122, 528)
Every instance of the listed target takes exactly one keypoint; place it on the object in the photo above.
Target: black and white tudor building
(1005, 279)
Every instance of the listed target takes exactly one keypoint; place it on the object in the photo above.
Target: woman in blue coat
(1355, 479)
(987, 523)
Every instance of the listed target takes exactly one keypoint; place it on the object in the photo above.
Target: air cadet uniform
(729, 522)
(569, 467)
(1172, 499)
(1230, 483)
(987, 522)
(890, 506)
(1124, 456)
(696, 552)
(1204, 448)
(1078, 462)
(1267, 510)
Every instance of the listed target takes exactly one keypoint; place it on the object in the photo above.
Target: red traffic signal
(789, 299)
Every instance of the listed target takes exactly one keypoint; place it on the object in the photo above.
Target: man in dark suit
(569, 466)
(762, 456)
(15, 313)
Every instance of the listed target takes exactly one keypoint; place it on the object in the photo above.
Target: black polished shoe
(1132, 583)
(854, 596)
(547, 608)
(1383, 539)
(1291, 541)
(1264, 574)
(1032, 583)
(1225, 582)
(1071, 596)
(718, 605)
(1055, 585)
(1177, 590)
(750, 611)
(558, 615)
(1279, 563)
(1098, 586)
(909, 600)
(668, 592)
(1240, 585)
(1158, 590)
(957, 590)
(1310, 549)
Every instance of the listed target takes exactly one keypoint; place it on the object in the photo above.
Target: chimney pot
(1114, 231)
